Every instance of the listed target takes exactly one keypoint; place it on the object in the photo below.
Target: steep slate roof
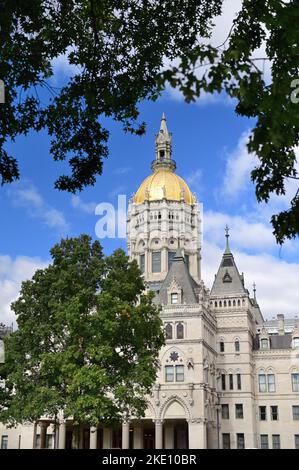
(276, 342)
(228, 280)
(179, 273)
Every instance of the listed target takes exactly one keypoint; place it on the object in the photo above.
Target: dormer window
(174, 298)
(264, 343)
(296, 343)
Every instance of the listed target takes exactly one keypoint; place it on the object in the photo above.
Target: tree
(124, 52)
(87, 342)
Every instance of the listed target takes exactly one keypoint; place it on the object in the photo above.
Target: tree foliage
(87, 342)
(126, 51)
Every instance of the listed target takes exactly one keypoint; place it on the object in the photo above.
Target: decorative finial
(227, 249)
(254, 291)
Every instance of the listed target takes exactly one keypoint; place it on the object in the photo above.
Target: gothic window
(180, 331)
(168, 331)
(262, 382)
(171, 255)
(234, 303)
(224, 303)
(231, 381)
(169, 376)
(216, 304)
(142, 263)
(237, 345)
(271, 383)
(239, 303)
(174, 297)
(223, 382)
(179, 373)
(220, 303)
(295, 382)
(221, 346)
(229, 303)
(156, 261)
(239, 383)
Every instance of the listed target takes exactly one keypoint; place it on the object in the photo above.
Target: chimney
(280, 320)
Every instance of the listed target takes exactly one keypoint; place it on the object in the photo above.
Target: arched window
(180, 331)
(229, 303)
(237, 345)
(262, 381)
(239, 303)
(221, 346)
(234, 303)
(216, 304)
(220, 303)
(224, 303)
(168, 331)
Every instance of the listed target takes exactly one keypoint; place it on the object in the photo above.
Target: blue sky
(209, 146)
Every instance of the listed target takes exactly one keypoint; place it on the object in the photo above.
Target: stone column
(106, 438)
(43, 433)
(169, 436)
(158, 434)
(93, 437)
(137, 436)
(125, 435)
(62, 434)
(197, 434)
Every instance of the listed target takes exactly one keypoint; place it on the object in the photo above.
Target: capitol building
(227, 377)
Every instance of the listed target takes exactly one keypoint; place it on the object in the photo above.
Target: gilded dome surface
(164, 184)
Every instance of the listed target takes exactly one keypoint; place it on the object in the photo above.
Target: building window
(264, 441)
(179, 373)
(237, 346)
(275, 441)
(274, 413)
(239, 383)
(271, 383)
(296, 413)
(295, 382)
(49, 441)
(4, 442)
(262, 382)
(168, 331)
(169, 376)
(223, 381)
(142, 263)
(156, 261)
(240, 441)
(221, 346)
(264, 344)
(296, 441)
(226, 441)
(296, 343)
(231, 381)
(174, 298)
(263, 413)
(239, 411)
(171, 255)
(187, 260)
(225, 411)
(180, 331)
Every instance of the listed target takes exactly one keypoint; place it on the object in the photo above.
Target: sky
(209, 147)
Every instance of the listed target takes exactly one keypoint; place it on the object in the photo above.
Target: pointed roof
(163, 127)
(179, 274)
(163, 149)
(228, 280)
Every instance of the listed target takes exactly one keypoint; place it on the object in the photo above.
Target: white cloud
(239, 165)
(87, 207)
(12, 273)
(36, 207)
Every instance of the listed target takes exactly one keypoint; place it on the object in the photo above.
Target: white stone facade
(227, 378)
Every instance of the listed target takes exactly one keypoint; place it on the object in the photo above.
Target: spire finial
(254, 291)
(163, 148)
(227, 249)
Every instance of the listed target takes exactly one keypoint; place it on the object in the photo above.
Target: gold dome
(164, 184)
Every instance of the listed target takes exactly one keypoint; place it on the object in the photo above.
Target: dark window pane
(156, 261)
